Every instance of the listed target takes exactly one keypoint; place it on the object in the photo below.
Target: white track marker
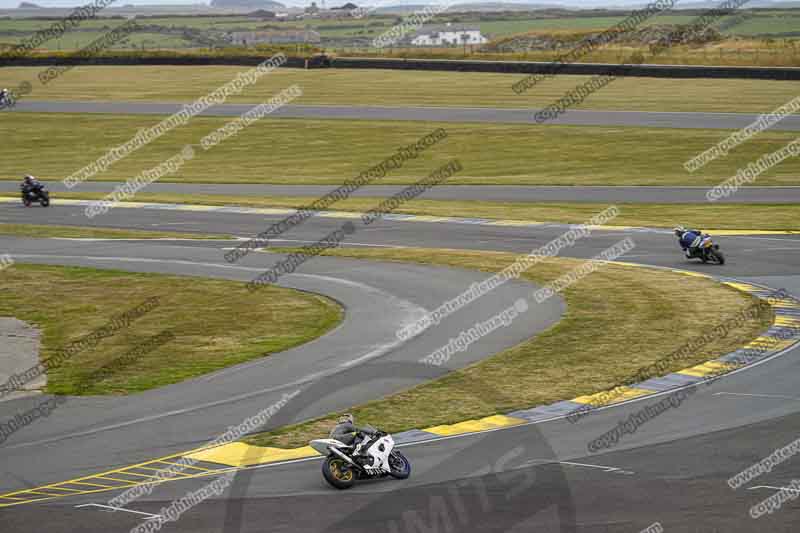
(604, 468)
(601, 467)
(772, 396)
(787, 489)
(114, 509)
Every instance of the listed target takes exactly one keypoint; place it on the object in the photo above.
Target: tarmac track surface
(538, 477)
(653, 119)
(485, 193)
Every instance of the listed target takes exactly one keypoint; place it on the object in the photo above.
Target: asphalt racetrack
(485, 193)
(651, 119)
(535, 477)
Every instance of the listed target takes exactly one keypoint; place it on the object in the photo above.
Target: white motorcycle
(343, 465)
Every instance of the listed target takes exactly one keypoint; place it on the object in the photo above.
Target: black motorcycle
(37, 193)
(6, 101)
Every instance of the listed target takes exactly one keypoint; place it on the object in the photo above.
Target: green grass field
(761, 24)
(764, 23)
(618, 320)
(295, 151)
(137, 40)
(215, 323)
(394, 87)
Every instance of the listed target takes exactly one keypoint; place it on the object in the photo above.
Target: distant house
(249, 38)
(447, 35)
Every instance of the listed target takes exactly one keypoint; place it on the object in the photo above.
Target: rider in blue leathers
(689, 239)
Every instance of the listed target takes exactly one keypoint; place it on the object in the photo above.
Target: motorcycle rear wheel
(399, 466)
(718, 257)
(45, 202)
(336, 472)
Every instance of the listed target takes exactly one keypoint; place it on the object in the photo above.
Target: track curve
(673, 463)
(379, 300)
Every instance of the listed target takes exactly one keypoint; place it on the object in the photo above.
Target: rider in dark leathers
(29, 183)
(348, 433)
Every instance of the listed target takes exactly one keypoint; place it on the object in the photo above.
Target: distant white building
(448, 35)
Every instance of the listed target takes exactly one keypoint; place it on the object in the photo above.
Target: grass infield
(619, 319)
(327, 152)
(402, 87)
(215, 324)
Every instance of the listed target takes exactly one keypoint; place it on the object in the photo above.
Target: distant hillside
(749, 5)
(467, 7)
(503, 6)
(247, 4)
(578, 5)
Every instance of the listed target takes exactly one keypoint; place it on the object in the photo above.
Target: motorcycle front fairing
(380, 451)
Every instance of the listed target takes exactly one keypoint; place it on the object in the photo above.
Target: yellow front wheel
(338, 473)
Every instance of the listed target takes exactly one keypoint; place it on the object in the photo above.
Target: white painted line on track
(641, 255)
(771, 396)
(786, 238)
(795, 249)
(787, 489)
(604, 468)
(344, 244)
(114, 509)
(609, 469)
